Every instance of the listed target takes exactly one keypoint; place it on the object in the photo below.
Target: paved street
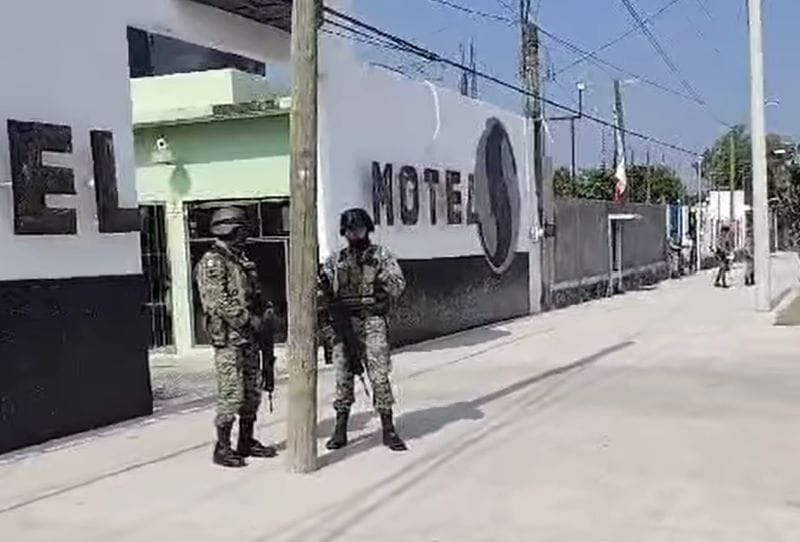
(661, 415)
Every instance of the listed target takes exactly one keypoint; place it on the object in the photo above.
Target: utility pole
(647, 175)
(759, 150)
(603, 148)
(698, 214)
(473, 65)
(572, 118)
(620, 166)
(463, 80)
(530, 71)
(732, 178)
(301, 437)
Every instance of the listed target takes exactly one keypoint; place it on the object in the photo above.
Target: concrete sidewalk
(670, 414)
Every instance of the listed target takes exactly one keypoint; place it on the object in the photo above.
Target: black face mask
(360, 244)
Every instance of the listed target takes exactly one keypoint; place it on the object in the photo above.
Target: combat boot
(223, 453)
(390, 437)
(339, 438)
(249, 446)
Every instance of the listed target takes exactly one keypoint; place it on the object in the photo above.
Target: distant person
(236, 315)
(675, 258)
(724, 252)
(749, 266)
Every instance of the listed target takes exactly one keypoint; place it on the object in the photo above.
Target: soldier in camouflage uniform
(365, 279)
(235, 316)
(724, 252)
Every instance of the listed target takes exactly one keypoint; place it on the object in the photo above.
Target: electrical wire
(670, 64)
(632, 30)
(471, 11)
(433, 56)
(660, 50)
(601, 62)
(704, 8)
(592, 56)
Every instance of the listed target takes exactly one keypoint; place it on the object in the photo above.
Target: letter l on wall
(112, 218)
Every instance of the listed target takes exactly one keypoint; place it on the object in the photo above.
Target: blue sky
(706, 39)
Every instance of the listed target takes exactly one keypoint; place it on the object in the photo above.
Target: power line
(601, 62)
(587, 55)
(471, 11)
(432, 56)
(704, 8)
(660, 50)
(649, 19)
(668, 61)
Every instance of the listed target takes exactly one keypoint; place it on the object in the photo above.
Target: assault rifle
(338, 312)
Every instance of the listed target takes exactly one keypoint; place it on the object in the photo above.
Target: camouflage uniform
(230, 294)
(364, 274)
(723, 253)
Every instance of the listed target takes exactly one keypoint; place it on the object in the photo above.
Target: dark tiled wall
(447, 295)
(73, 356)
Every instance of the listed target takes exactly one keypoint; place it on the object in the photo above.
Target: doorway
(268, 249)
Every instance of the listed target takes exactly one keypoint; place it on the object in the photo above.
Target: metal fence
(156, 270)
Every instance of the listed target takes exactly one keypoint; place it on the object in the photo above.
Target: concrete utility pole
(530, 71)
(698, 220)
(301, 438)
(759, 150)
(648, 177)
(732, 179)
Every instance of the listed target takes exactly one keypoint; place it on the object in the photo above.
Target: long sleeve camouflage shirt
(230, 294)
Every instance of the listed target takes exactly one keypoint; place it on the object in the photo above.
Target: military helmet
(355, 218)
(226, 220)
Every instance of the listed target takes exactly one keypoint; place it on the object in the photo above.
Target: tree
(788, 207)
(717, 159)
(598, 184)
(562, 183)
(595, 183)
(665, 185)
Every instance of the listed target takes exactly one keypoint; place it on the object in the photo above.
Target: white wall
(67, 63)
(370, 114)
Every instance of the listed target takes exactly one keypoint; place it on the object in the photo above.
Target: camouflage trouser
(371, 332)
(237, 383)
(326, 338)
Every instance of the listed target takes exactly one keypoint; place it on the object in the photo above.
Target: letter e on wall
(32, 181)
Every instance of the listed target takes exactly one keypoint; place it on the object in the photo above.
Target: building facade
(205, 140)
(448, 180)
(73, 332)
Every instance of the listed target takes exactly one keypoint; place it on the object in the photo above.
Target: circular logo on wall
(497, 199)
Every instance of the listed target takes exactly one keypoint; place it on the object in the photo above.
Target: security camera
(162, 153)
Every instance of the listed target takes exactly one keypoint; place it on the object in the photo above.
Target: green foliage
(717, 159)
(596, 183)
(562, 183)
(788, 205)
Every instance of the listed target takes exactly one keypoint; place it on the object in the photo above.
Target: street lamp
(581, 86)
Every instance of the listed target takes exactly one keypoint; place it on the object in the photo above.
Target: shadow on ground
(415, 425)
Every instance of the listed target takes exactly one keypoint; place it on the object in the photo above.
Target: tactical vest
(356, 273)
